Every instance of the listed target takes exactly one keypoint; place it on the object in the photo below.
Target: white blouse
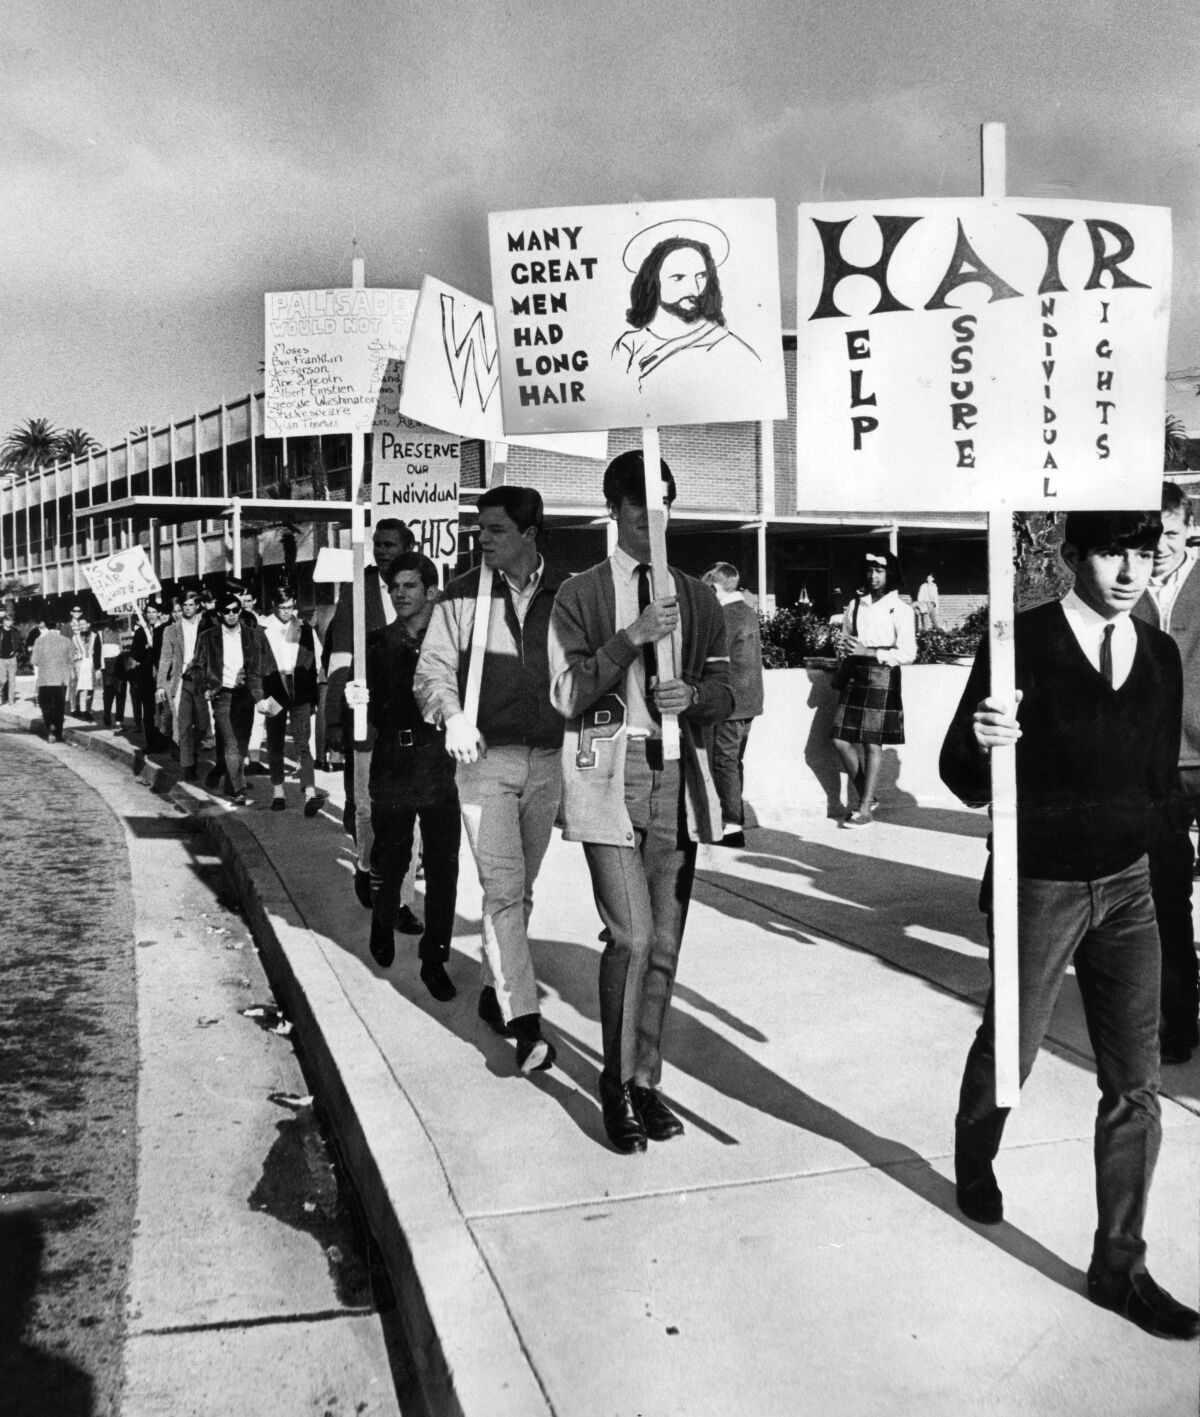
(885, 625)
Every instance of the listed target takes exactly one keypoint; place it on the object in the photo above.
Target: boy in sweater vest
(1172, 603)
(1096, 728)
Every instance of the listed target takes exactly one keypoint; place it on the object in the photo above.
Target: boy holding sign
(1097, 739)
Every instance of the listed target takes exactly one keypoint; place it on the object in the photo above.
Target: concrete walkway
(798, 1250)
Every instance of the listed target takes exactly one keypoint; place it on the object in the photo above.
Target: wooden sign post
(660, 575)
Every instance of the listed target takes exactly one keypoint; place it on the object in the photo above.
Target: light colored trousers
(509, 802)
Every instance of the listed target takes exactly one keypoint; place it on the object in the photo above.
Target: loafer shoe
(383, 945)
(622, 1121)
(437, 981)
(312, 805)
(534, 1053)
(362, 888)
(733, 838)
(857, 819)
(1137, 1298)
(980, 1201)
(491, 1013)
(660, 1122)
(407, 923)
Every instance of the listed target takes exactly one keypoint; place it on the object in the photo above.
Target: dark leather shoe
(660, 1122)
(622, 1121)
(362, 888)
(278, 804)
(491, 1013)
(312, 805)
(253, 769)
(734, 838)
(383, 944)
(437, 981)
(980, 1201)
(212, 778)
(407, 923)
(1137, 1298)
(1175, 1048)
(534, 1053)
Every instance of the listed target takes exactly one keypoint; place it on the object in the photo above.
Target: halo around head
(688, 228)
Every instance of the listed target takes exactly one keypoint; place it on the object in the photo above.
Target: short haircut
(625, 479)
(411, 561)
(522, 504)
(282, 593)
(407, 539)
(893, 576)
(195, 595)
(1105, 533)
(1177, 502)
(722, 574)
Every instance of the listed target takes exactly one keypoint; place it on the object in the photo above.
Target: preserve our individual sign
(637, 315)
(981, 353)
(415, 473)
(326, 353)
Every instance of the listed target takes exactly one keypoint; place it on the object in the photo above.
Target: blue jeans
(642, 894)
(1107, 927)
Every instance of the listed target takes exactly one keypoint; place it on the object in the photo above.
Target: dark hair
(643, 293)
(1176, 501)
(625, 479)
(1102, 533)
(522, 504)
(723, 574)
(407, 538)
(893, 577)
(411, 561)
(282, 593)
(229, 601)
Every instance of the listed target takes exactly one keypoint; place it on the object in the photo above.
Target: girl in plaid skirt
(878, 636)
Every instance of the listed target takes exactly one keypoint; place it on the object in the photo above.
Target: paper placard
(452, 374)
(627, 316)
(120, 580)
(415, 476)
(968, 354)
(326, 354)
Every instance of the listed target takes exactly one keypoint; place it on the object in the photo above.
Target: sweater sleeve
(580, 675)
(964, 766)
(714, 699)
(435, 683)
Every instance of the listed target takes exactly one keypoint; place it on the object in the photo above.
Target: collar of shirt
(530, 585)
(728, 597)
(1175, 576)
(1088, 628)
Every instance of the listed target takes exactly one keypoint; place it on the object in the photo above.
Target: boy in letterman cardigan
(1096, 728)
(638, 816)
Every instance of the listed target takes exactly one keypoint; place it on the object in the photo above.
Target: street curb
(463, 1345)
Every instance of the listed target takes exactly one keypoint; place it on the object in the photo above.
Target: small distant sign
(327, 352)
(119, 581)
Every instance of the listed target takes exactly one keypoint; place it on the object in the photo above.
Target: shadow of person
(31, 1379)
(694, 1048)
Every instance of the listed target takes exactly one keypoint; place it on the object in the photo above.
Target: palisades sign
(967, 354)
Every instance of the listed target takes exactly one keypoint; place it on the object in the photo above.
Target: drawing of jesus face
(682, 280)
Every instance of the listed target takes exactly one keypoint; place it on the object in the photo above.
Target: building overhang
(173, 511)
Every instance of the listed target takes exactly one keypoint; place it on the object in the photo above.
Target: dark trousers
(114, 696)
(192, 724)
(391, 851)
(52, 700)
(295, 720)
(1107, 927)
(1171, 863)
(233, 717)
(729, 749)
(642, 893)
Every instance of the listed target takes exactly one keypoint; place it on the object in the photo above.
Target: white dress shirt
(1088, 628)
(638, 719)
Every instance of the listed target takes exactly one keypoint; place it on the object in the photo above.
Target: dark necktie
(649, 656)
(1106, 669)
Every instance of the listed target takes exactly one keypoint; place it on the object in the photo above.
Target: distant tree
(77, 443)
(1175, 444)
(30, 446)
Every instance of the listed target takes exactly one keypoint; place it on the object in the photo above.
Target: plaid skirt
(869, 709)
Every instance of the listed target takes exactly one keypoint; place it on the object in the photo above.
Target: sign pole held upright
(358, 590)
(1001, 604)
(660, 576)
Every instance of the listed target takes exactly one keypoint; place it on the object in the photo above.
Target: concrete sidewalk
(798, 1250)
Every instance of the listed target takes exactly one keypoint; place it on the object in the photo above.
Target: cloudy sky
(166, 163)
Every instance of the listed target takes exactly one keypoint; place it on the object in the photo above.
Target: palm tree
(1175, 445)
(76, 443)
(30, 446)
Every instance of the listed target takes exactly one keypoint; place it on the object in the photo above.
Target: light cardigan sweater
(589, 658)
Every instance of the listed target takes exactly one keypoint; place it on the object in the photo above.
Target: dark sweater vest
(1094, 763)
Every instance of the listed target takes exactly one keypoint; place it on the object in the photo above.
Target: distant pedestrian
(286, 694)
(412, 778)
(87, 668)
(731, 735)
(877, 637)
(228, 660)
(509, 773)
(113, 674)
(928, 604)
(638, 814)
(141, 676)
(10, 649)
(179, 687)
(53, 670)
